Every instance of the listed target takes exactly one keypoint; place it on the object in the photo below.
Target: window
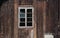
(25, 17)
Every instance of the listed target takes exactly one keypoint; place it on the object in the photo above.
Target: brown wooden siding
(39, 18)
(25, 2)
(58, 19)
(9, 24)
(52, 19)
(6, 20)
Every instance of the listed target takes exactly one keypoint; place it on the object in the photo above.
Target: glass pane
(29, 19)
(22, 20)
(29, 11)
(29, 15)
(29, 24)
(22, 24)
(22, 10)
(22, 15)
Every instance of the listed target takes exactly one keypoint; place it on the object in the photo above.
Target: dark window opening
(29, 24)
(22, 20)
(29, 15)
(29, 11)
(22, 24)
(29, 19)
(22, 10)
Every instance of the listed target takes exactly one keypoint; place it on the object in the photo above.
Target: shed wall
(46, 18)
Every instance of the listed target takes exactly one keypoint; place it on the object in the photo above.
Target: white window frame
(25, 17)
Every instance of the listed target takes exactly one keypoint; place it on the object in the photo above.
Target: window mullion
(32, 16)
(25, 17)
(19, 17)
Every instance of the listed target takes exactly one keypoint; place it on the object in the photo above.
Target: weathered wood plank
(15, 19)
(6, 20)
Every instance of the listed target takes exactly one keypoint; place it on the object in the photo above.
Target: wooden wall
(58, 19)
(52, 15)
(7, 20)
(45, 17)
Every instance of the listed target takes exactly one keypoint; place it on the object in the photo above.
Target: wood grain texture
(52, 17)
(9, 18)
(15, 19)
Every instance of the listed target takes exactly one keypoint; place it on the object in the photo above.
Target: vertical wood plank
(15, 19)
(35, 29)
(44, 17)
